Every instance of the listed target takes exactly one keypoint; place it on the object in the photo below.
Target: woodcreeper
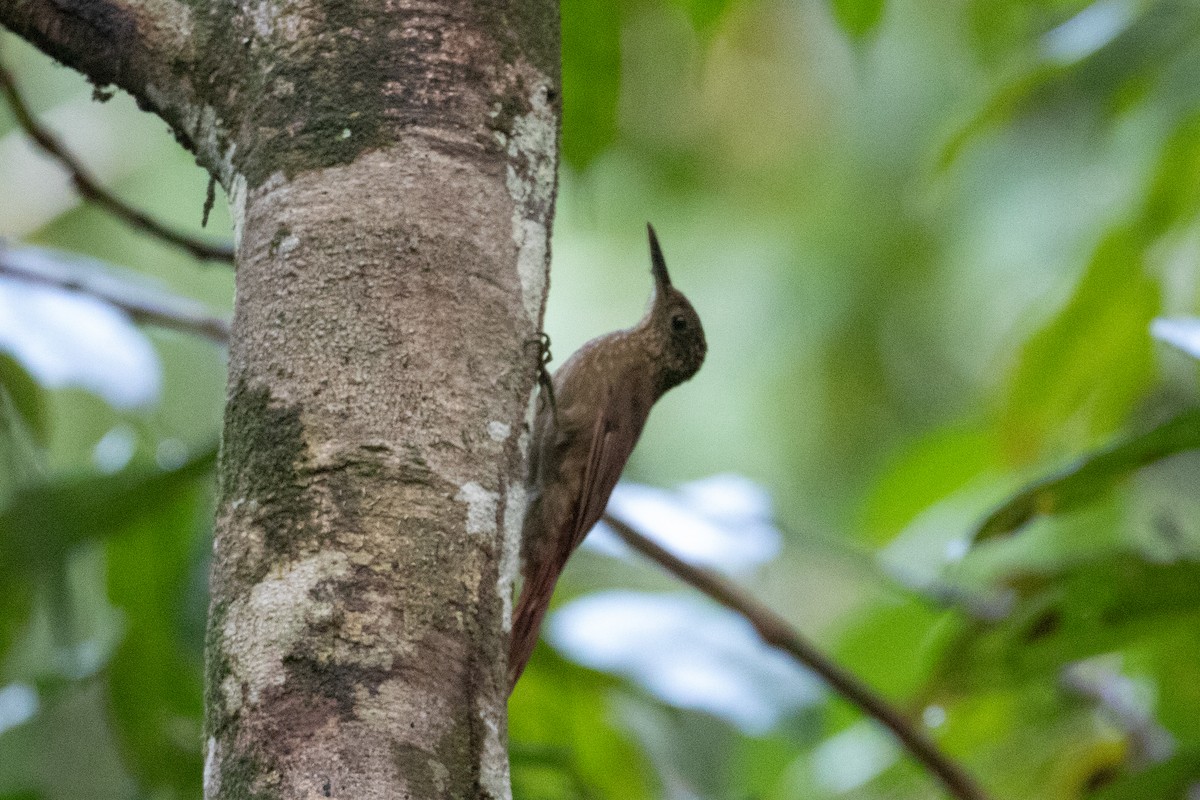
(582, 438)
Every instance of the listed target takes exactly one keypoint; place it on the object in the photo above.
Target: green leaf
(1166, 781)
(1074, 613)
(907, 632)
(564, 743)
(858, 18)
(1079, 376)
(1099, 82)
(927, 471)
(41, 524)
(1001, 31)
(155, 678)
(16, 601)
(1174, 192)
(1006, 102)
(591, 77)
(1169, 665)
(705, 14)
(1091, 476)
(25, 396)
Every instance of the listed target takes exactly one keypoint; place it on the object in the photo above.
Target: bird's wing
(612, 441)
(611, 437)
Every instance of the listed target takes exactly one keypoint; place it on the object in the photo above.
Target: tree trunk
(391, 171)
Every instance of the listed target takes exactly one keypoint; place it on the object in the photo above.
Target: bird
(584, 431)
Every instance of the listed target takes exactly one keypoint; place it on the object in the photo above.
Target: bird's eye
(678, 322)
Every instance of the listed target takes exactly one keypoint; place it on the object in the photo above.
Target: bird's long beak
(658, 266)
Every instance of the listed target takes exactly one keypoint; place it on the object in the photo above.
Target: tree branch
(92, 191)
(103, 39)
(776, 632)
(147, 49)
(97, 279)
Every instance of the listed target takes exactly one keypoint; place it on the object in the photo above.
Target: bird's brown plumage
(603, 395)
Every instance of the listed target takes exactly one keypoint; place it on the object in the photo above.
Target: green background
(927, 239)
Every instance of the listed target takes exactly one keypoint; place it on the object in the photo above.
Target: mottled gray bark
(391, 170)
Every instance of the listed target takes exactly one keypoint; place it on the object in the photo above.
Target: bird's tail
(530, 611)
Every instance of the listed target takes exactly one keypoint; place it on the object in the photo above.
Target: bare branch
(92, 191)
(143, 303)
(776, 632)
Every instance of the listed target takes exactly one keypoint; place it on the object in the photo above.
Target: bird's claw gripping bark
(542, 340)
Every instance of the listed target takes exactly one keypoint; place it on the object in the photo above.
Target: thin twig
(92, 191)
(128, 293)
(776, 632)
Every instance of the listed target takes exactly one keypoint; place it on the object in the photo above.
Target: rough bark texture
(391, 171)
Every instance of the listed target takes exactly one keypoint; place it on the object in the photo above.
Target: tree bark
(391, 172)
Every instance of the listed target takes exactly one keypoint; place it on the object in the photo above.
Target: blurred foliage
(858, 17)
(1094, 475)
(927, 239)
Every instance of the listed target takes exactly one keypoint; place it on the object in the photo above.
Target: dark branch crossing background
(934, 485)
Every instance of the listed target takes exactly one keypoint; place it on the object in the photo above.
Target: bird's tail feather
(530, 611)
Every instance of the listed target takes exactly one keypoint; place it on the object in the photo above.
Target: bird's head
(673, 325)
